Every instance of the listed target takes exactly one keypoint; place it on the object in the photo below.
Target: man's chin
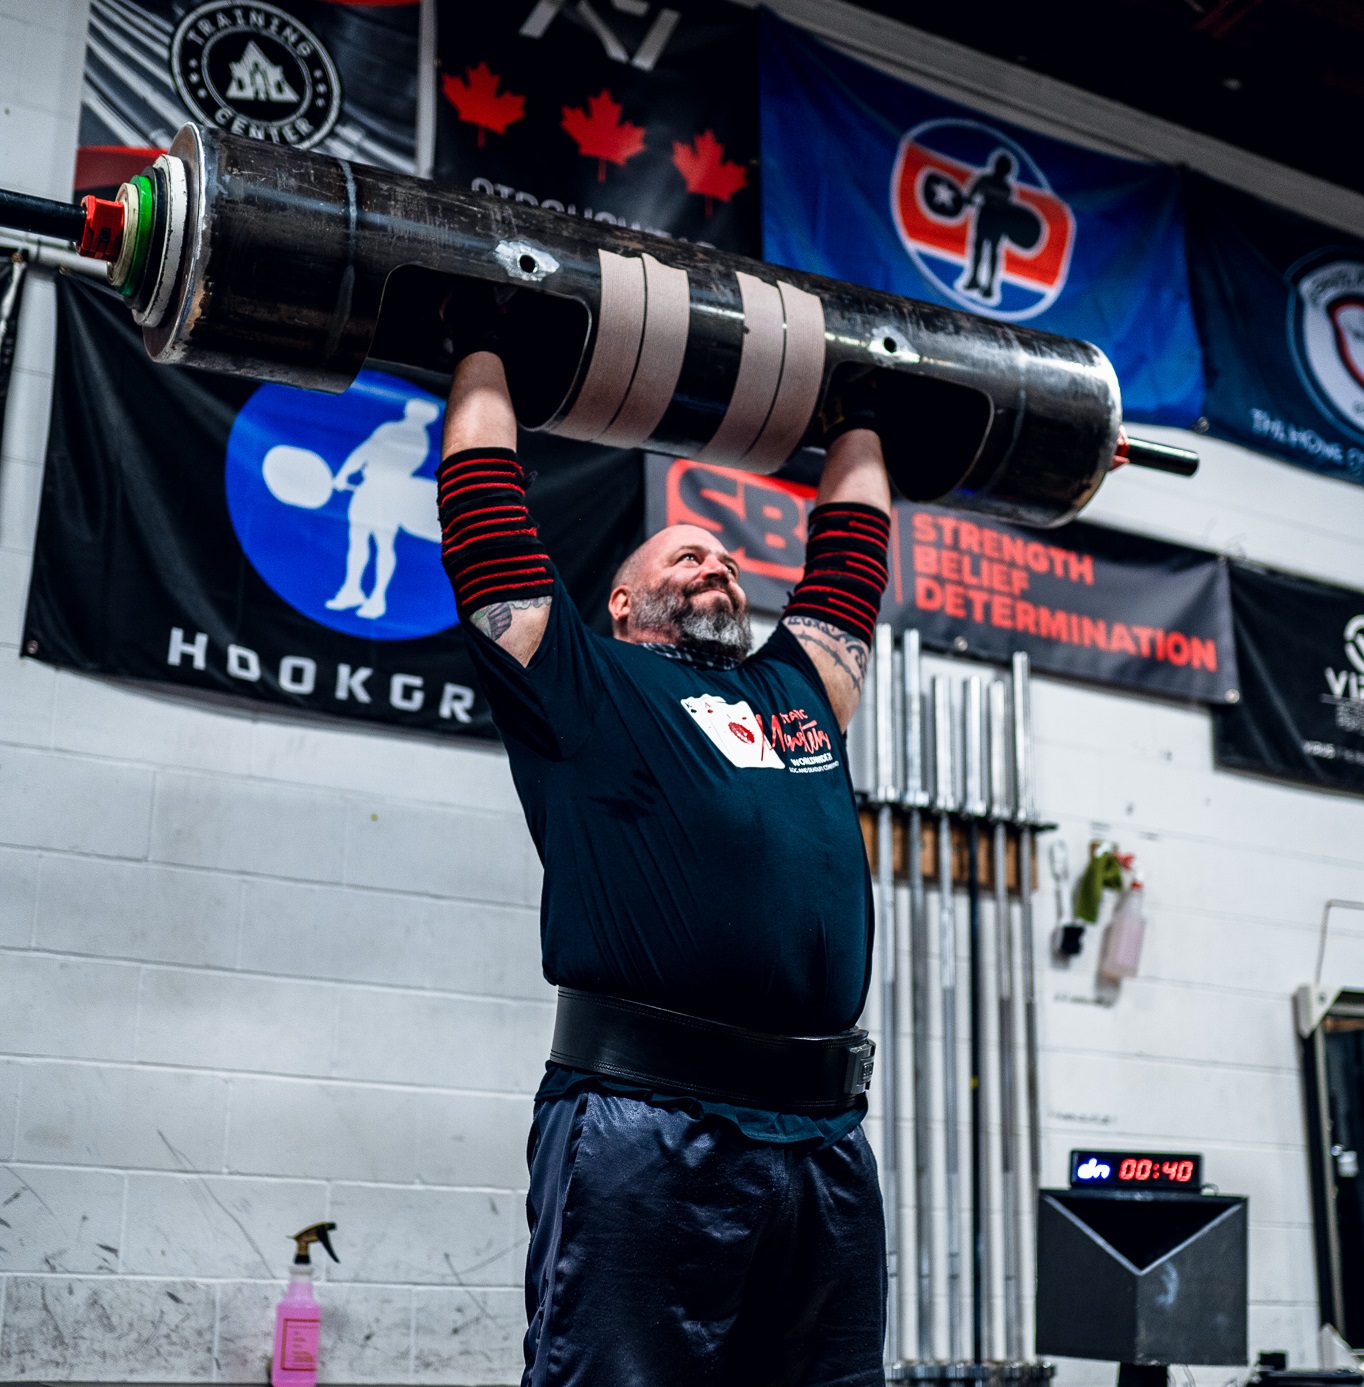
(715, 629)
(712, 601)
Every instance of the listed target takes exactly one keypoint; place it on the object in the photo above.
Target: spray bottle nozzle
(314, 1233)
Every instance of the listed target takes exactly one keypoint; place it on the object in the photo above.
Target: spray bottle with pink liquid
(298, 1318)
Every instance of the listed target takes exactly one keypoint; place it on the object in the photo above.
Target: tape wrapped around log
(298, 267)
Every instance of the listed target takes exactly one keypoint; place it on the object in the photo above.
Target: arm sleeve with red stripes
(490, 547)
(845, 568)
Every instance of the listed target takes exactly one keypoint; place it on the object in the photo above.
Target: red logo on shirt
(797, 731)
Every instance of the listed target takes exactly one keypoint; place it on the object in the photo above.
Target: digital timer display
(1135, 1170)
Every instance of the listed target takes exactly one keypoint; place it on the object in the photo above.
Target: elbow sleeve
(490, 547)
(845, 568)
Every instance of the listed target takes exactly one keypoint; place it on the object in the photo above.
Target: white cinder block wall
(253, 974)
(256, 972)
(1199, 1052)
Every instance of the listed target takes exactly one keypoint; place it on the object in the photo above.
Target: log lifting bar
(260, 261)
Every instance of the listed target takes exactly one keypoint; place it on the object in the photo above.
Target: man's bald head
(640, 560)
(681, 587)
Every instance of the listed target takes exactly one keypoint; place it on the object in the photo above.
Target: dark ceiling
(1283, 78)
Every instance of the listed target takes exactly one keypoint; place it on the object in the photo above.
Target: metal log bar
(297, 267)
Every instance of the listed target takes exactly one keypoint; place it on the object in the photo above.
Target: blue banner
(1280, 305)
(872, 180)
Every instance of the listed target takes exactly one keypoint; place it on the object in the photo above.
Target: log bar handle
(1161, 457)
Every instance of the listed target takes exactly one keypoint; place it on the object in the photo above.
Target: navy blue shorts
(669, 1250)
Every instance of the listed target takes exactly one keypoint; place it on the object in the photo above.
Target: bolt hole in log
(542, 336)
(932, 430)
(891, 345)
(527, 263)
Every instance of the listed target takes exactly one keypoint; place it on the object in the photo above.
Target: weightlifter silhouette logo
(333, 498)
(979, 219)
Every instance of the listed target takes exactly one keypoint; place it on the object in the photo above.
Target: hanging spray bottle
(298, 1317)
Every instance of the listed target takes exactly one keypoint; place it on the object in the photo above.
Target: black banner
(337, 77)
(1301, 651)
(1280, 306)
(1085, 601)
(639, 114)
(274, 543)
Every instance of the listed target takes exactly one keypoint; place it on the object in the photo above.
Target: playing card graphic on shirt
(735, 729)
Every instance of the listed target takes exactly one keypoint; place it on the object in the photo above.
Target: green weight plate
(142, 186)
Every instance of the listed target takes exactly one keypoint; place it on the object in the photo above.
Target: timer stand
(1140, 1273)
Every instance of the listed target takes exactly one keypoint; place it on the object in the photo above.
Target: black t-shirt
(697, 827)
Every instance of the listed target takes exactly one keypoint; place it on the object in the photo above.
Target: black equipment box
(1141, 1276)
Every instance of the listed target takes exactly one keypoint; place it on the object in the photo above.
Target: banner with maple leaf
(479, 103)
(643, 114)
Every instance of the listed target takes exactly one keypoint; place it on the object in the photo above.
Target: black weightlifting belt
(671, 1052)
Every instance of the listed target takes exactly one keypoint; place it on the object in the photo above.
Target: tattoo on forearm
(495, 621)
(845, 650)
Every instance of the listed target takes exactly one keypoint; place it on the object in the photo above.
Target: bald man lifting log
(703, 1203)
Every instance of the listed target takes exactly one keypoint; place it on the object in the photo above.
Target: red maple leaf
(703, 164)
(478, 102)
(600, 133)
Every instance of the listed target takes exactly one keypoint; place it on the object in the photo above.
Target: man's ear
(618, 604)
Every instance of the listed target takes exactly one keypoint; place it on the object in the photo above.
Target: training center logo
(1326, 333)
(254, 70)
(333, 498)
(979, 219)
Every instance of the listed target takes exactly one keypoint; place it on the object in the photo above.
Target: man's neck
(704, 658)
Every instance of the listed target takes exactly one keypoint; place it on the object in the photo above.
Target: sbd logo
(979, 219)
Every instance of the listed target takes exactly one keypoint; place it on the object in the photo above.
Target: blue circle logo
(333, 498)
(979, 219)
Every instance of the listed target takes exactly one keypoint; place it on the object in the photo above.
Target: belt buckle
(861, 1058)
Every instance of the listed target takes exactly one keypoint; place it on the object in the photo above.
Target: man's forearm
(478, 413)
(833, 610)
(491, 550)
(855, 471)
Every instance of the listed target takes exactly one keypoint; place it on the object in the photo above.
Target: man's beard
(713, 634)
